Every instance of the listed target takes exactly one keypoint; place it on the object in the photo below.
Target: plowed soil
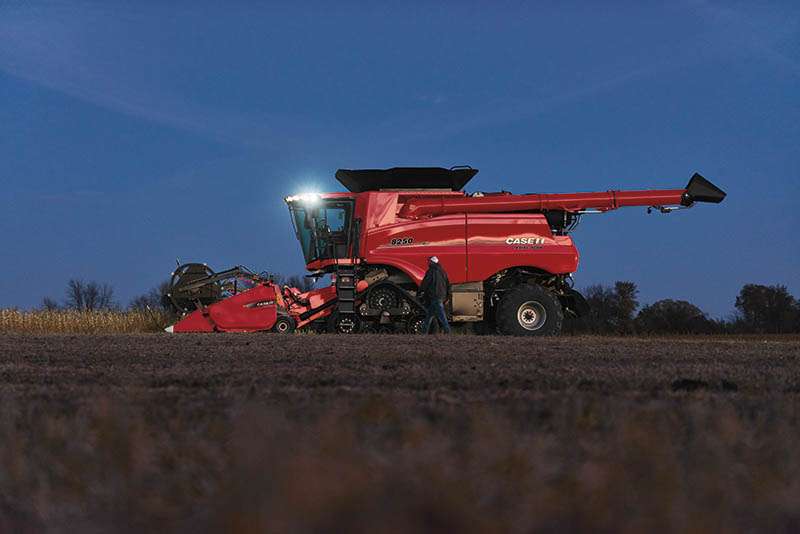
(251, 433)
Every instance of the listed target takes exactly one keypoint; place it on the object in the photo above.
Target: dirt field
(265, 433)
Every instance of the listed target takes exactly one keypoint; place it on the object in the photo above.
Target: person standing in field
(435, 291)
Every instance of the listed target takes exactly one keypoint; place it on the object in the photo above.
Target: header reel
(194, 285)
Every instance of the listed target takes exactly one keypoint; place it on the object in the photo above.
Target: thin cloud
(757, 32)
(508, 110)
(728, 31)
(50, 48)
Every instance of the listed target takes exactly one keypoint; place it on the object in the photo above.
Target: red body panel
(500, 241)
(249, 311)
(471, 248)
(256, 310)
(315, 298)
(444, 237)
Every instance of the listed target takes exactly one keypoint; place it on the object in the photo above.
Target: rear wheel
(529, 310)
(283, 325)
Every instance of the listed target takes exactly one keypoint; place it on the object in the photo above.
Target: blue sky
(134, 133)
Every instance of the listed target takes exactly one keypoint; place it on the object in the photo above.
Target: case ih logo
(525, 241)
(260, 304)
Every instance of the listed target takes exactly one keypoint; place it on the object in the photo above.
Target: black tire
(414, 325)
(529, 310)
(344, 324)
(283, 325)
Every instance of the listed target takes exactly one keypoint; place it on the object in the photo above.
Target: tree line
(615, 310)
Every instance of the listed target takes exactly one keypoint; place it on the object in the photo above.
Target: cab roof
(405, 178)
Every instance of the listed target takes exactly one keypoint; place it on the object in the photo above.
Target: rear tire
(529, 310)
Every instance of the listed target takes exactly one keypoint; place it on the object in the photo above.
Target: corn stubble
(81, 322)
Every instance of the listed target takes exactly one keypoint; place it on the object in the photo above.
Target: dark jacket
(435, 285)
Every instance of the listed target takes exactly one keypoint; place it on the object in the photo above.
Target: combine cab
(509, 257)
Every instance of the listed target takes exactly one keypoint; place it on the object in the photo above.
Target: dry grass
(81, 322)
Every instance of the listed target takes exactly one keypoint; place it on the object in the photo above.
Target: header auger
(509, 257)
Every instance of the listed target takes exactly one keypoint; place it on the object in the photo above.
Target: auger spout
(697, 190)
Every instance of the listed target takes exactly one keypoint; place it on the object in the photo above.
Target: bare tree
(49, 304)
(75, 292)
(89, 296)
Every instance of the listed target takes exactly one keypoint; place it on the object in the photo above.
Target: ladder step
(346, 290)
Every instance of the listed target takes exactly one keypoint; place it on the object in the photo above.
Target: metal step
(346, 290)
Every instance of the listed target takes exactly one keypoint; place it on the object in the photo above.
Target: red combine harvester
(509, 257)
